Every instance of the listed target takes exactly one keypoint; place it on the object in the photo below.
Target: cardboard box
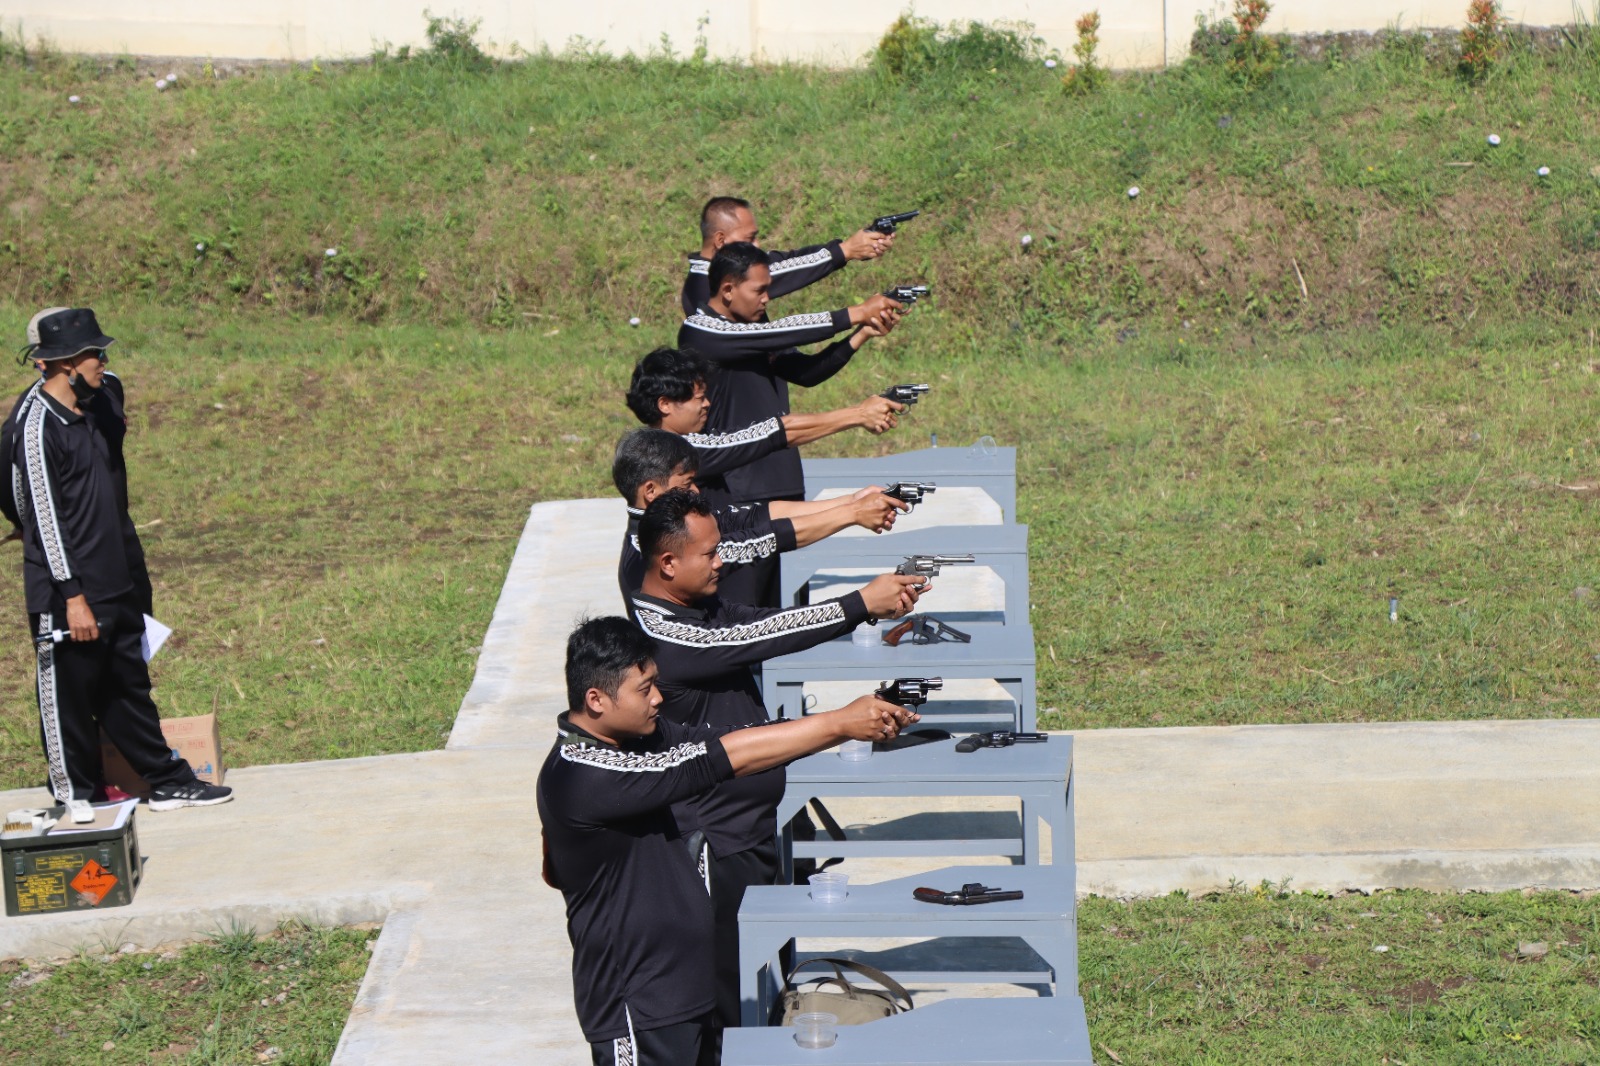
(197, 739)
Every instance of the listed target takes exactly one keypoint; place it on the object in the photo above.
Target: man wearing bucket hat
(84, 603)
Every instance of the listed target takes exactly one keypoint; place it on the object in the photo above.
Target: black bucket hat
(63, 332)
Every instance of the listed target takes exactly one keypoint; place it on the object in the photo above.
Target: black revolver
(909, 691)
(910, 492)
(907, 294)
(906, 394)
(966, 895)
(887, 223)
(1000, 738)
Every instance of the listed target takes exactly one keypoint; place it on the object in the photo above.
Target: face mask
(81, 388)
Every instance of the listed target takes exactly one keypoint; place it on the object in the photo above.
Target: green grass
(1226, 479)
(1251, 977)
(222, 1003)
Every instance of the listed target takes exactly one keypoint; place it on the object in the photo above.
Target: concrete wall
(1135, 33)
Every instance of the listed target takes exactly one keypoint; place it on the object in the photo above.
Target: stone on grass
(1133, 192)
(1532, 949)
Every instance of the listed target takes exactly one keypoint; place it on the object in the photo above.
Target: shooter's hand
(894, 595)
(866, 244)
(876, 414)
(869, 718)
(80, 619)
(877, 513)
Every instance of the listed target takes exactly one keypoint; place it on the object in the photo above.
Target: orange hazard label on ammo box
(94, 882)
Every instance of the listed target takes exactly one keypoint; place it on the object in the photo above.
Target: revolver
(910, 492)
(966, 895)
(1000, 738)
(907, 294)
(906, 394)
(909, 691)
(930, 565)
(887, 223)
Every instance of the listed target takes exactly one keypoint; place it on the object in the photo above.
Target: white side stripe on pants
(50, 711)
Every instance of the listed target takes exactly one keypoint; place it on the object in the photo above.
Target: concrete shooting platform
(472, 964)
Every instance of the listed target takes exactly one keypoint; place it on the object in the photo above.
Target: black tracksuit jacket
(637, 911)
(73, 536)
(755, 364)
(748, 535)
(791, 272)
(704, 654)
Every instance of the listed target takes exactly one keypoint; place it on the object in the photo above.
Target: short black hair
(664, 374)
(719, 211)
(733, 261)
(600, 652)
(650, 455)
(666, 521)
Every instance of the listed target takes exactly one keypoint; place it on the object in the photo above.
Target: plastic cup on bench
(815, 1029)
(829, 888)
(855, 750)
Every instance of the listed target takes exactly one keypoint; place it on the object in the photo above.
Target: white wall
(1134, 33)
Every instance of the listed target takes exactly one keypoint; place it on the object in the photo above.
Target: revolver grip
(930, 895)
(971, 743)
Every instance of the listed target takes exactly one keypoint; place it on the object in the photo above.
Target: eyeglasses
(100, 355)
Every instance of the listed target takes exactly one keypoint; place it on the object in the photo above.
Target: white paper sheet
(155, 635)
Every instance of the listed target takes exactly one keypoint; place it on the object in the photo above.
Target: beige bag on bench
(851, 1004)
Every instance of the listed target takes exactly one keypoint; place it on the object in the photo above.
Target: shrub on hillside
(1253, 57)
(915, 47)
(455, 40)
(1088, 75)
(1483, 39)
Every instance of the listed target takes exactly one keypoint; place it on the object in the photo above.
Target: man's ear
(667, 564)
(649, 491)
(595, 701)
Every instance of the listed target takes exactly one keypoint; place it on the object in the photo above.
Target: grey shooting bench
(1045, 919)
(1042, 1031)
(999, 653)
(1003, 549)
(993, 470)
(1037, 774)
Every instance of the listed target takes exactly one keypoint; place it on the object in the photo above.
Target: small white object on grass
(74, 99)
(331, 252)
(1027, 239)
(171, 78)
(634, 321)
(1133, 192)
(161, 85)
(1049, 64)
(1494, 140)
(200, 247)
(1381, 948)
(1544, 172)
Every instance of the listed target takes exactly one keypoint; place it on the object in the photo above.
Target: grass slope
(1226, 479)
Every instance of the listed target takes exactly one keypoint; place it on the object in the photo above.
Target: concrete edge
(375, 998)
(1510, 870)
(104, 932)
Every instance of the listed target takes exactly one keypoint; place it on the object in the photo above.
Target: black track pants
(672, 1045)
(101, 684)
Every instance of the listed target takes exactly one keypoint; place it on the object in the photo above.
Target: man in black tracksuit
(756, 359)
(706, 647)
(668, 391)
(729, 220)
(637, 912)
(649, 462)
(84, 596)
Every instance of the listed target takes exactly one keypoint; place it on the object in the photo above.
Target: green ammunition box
(72, 872)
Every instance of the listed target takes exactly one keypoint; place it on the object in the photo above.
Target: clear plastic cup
(855, 750)
(815, 1029)
(829, 887)
(866, 635)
